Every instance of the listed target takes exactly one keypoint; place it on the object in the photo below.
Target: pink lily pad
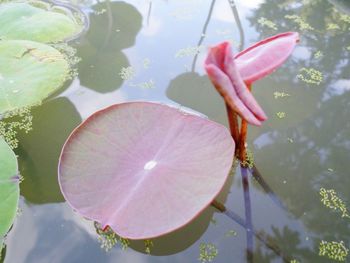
(262, 58)
(145, 169)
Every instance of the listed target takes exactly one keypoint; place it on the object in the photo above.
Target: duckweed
(332, 26)
(330, 199)
(189, 51)
(303, 25)
(318, 54)
(278, 94)
(249, 159)
(267, 23)
(127, 73)
(148, 245)
(281, 114)
(333, 250)
(9, 128)
(207, 252)
(310, 76)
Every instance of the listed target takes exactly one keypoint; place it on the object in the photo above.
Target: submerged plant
(333, 250)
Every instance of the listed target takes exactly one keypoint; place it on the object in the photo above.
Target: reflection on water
(297, 155)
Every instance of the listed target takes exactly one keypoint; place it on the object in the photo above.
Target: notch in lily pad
(144, 169)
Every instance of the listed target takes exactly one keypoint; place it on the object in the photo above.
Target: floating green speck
(332, 26)
(10, 127)
(231, 233)
(189, 51)
(127, 73)
(345, 18)
(145, 85)
(310, 76)
(278, 94)
(281, 114)
(207, 252)
(267, 23)
(318, 54)
(148, 245)
(331, 200)
(303, 25)
(106, 237)
(249, 159)
(333, 250)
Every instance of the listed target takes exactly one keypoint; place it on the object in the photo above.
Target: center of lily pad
(150, 165)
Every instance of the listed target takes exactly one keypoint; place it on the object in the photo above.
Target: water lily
(233, 76)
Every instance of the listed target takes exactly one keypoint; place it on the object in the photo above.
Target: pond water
(154, 50)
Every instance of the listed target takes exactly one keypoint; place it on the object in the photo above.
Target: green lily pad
(9, 187)
(29, 72)
(24, 21)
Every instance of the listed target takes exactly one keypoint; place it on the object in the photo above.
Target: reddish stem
(243, 136)
(233, 122)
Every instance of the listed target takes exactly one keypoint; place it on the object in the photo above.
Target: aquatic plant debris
(231, 233)
(303, 25)
(140, 152)
(127, 73)
(278, 95)
(30, 26)
(146, 63)
(281, 114)
(106, 237)
(318, 54)
(207, 252)
(144, 85)
(310, 76)
(267, 23)
(330, 199)
(333, 250)
(249, 159)
(332, 26)
(9, 127)
(148, 246)
(345, 18)
(189, 51)
(109, 239)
